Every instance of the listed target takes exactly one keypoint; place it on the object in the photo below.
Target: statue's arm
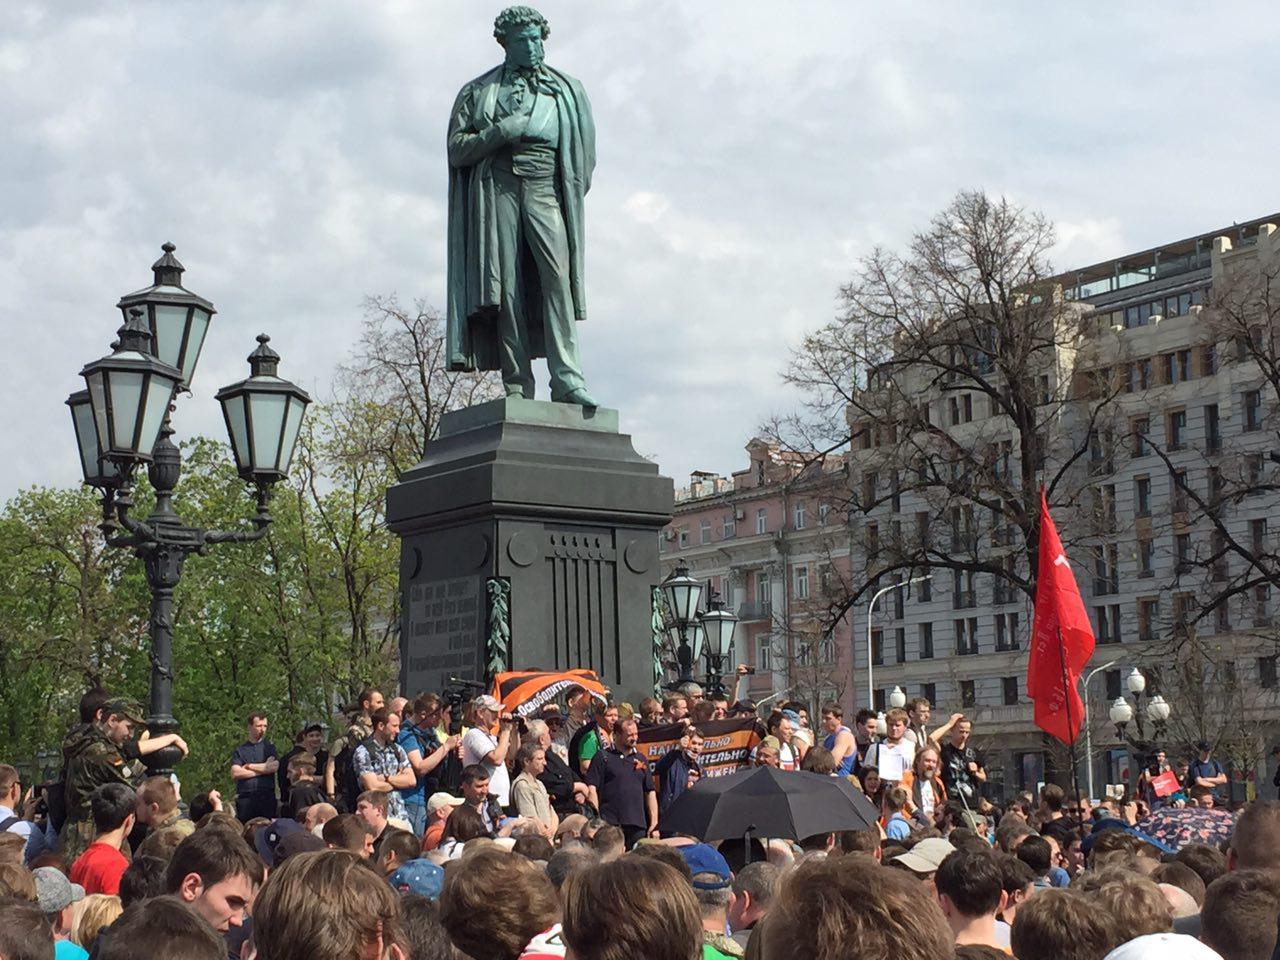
(471, 136)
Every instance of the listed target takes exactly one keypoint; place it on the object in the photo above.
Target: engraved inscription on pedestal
(444, 623)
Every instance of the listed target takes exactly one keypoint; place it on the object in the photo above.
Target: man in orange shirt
(439, 806)
(100, 867)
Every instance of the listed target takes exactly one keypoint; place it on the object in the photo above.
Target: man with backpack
(340, 782)
(13, 818)
(421, 743)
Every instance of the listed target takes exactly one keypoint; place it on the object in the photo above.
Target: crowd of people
(418, 835)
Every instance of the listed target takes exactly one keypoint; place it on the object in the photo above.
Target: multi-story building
(767, 540)
(1157, 394)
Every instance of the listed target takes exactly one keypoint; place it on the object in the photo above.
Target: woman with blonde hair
(94, 912)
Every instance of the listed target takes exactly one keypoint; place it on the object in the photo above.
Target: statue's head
(521, 31)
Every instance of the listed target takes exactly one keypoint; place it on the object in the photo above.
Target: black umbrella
(767, 802)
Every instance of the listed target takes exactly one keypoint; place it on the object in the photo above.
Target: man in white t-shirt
(480, 746)
(894, 755)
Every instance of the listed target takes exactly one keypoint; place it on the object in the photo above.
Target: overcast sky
(749, 153)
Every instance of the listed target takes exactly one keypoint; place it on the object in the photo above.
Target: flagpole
(1066, 695)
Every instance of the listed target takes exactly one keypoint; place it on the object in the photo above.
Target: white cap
(488, 703)
(1162, 946)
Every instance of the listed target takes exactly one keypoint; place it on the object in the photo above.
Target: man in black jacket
(567, 793)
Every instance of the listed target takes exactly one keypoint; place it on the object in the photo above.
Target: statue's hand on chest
(517, 103)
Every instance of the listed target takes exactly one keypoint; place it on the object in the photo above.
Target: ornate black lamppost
(122, 422)
(682, 593)
(717, 626)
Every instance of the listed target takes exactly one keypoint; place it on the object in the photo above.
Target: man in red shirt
(100, 867)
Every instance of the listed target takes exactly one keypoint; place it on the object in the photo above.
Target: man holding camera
(480, 746)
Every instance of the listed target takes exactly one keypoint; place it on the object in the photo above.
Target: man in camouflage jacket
(93, 758)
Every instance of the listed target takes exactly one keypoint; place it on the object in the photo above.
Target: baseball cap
(54, 891)
(267, 839)
(123, 707)
(704, 859)
(745, 707)
(438, 800)
(551, 714)
(926, 856)
(487, 702)
(299, 842)
(1203, 746)
(418, 876)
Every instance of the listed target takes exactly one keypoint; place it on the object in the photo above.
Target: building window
(926, 641)
(1208, 360)
(924, 591)
(1148, 618)
(1006, 630)
(930, 692)
(827, 650)
(1113, 684)
(802, 582)
(1010, 691)
(900, 641)
(763, 654)
(1222, 618)
(799, 516)
(1258, 535)
(1261, 598)
(1146, 558)
(964, 594)
(1106, 576)
(1212, 431)
(823, 510)
(1142, 496)
(764, 591)
(878, 700)
(1139, 375)
(1177, 429)
(1182, 552)
(1267, 673)
(1252, 409)
(762, 520)
(684, 537)
(968, 696)
(1108, 621)
(966, 636)
(729, 527)
(662, 542)
(877, 648)
(1178, 491)
(1139, 430)
(704, 531)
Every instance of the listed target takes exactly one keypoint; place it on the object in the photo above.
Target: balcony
(749, 612)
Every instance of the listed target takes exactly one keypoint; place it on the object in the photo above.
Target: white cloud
(749, 154)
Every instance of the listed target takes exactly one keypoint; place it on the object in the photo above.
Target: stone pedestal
(529, 540)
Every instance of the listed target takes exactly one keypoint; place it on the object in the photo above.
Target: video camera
(455, 695)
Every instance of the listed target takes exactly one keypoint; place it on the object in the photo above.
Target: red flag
(1061, 639)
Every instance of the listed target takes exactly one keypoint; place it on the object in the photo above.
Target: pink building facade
(772, 540)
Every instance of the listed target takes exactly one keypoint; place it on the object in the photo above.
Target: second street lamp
(717, 625)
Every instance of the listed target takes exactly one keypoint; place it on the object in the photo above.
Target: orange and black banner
(726, 744)
(525, 692)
